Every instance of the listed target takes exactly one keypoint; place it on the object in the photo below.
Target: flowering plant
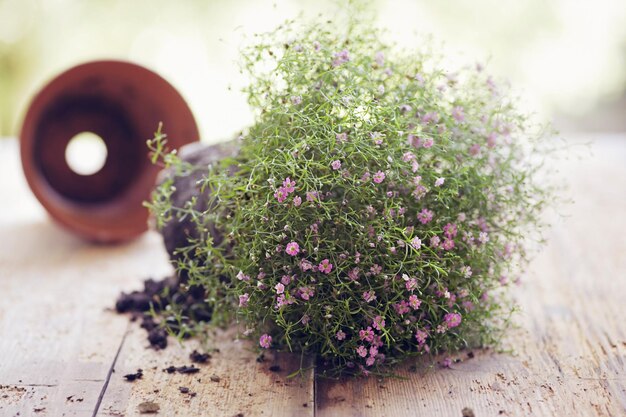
(377, 208)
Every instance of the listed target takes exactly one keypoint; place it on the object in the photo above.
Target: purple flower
(243, 300)
(280, 288)
(295, 100)
(416, 243)
(439, 181)
(265, 341)
(336, 164)
(341, 57)
(340, 335)
(428, 143)
(297, 200)
(292, 248)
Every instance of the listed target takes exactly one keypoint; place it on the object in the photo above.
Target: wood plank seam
(110, 373)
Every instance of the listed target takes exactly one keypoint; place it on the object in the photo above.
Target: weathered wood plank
(232, 382)
(57, 343)
(571, 345)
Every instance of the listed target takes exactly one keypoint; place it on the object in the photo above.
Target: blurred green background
(566, 58)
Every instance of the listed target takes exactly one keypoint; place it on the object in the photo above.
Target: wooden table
(63, 352)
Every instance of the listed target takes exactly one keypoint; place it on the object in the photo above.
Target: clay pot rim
(73, 216)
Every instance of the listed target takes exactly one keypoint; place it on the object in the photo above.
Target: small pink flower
(483, 237)
(306, 319)
(408, 157)
(369, 296)
(370, 361)
(286, 279)
(354, 274)
(289, 186)
(306, 293)
(402, 307)
(414, 302)
(380, 58)
(365, 177)
(428, 143)
(421, 336)
(452, 320)
(361, 351)
(439, 181)
(342, 137)
(474, 149)
(341, 57)
(281, 194)
(280, 288)
(373, 351)
(340, 335)
(416, 243)
(292, 248)
(265, 341)
(367, 334)
(458, 114)
(450, 230)
(434, 241)
(376, 269)
(243, 300)
(491, 139)
(305, 265)
(411, 284)
(297, 200)
(325, 266)
(295, 100)
(243, 277)
(336, 164)
(379, 177)
(446, 363)
(425, 216)
(448, 244)
(378, 323)
(311, 196)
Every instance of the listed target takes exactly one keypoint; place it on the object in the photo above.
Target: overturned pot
(121, 103)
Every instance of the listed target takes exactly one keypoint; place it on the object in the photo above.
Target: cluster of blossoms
(377, 207)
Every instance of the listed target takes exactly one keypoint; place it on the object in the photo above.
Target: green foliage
(437, 239)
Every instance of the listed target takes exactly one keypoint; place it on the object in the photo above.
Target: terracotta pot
(122, 103)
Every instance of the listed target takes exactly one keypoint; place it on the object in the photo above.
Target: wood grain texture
(63, 353)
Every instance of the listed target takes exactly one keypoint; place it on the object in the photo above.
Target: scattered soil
(197, 357)
(181, 369)
(156, 295)
(135, 376)
(184, 390)
(274, 368)
(215, 378)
